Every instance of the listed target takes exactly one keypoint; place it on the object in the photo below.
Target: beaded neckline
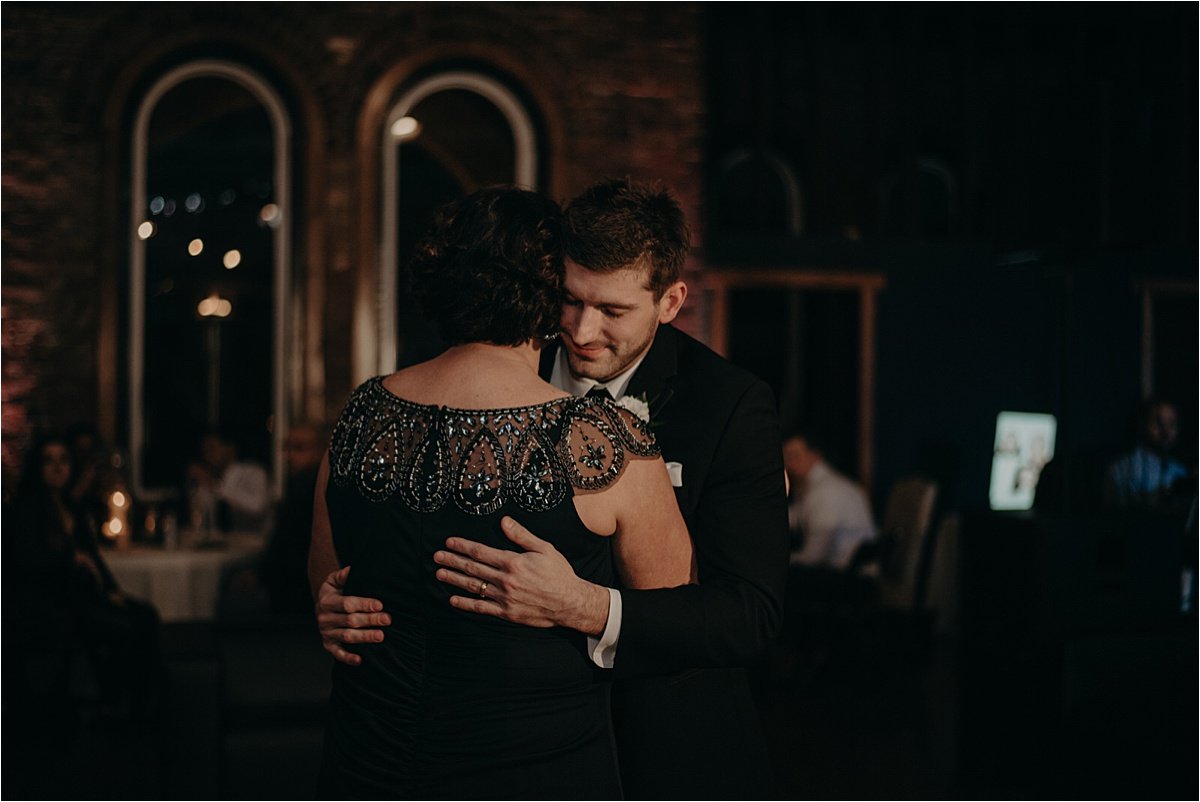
(377, 382)
(425, 455)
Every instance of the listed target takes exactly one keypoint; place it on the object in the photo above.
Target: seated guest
(235, 495)
(284, 568)
(828, 514)
(55, 557)
(1146, 477)
(94, 473)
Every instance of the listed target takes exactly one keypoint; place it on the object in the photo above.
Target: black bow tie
(599, 391)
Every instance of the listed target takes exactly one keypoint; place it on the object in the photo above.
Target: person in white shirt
(829, 511)
(237, 493)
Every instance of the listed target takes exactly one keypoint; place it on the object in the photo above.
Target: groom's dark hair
(620, 223)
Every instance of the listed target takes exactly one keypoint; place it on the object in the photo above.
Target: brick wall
(622, 85)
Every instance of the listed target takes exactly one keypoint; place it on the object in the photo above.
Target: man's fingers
(471, 568)
(356, 604)
(359, 620)
(341, 655)
(338, 578)
(494, 558)
(477, 605)
(521, 536)
(468, 583)
(344, 636)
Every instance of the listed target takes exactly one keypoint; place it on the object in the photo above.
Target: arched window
(446, 136)
(756, 192)
(919, 199)
(210, 213)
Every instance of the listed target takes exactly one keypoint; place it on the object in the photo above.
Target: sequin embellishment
(388, 447)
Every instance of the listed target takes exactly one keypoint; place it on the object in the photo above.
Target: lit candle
(116, 528)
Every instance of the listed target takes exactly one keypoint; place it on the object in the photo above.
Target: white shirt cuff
(603, 650)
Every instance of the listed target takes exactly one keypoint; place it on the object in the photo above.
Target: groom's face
(609, 319)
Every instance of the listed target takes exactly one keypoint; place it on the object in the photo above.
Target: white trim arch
(792, 192)
(281, 130)
(913, 168)
(525, 175)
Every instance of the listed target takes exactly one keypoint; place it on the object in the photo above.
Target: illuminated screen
(1024, 444)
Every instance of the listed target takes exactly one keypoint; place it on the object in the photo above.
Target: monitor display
(1024, 444)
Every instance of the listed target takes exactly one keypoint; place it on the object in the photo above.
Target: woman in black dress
(449, 704)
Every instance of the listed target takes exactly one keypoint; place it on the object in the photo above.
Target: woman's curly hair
(490, 269)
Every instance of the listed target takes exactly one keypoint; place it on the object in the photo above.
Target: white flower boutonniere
(637, 406)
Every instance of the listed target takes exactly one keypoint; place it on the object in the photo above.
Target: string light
(406, 128)
(214, 306)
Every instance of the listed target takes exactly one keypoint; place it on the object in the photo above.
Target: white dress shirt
(835, 516)
(246, 488)
(602, 650)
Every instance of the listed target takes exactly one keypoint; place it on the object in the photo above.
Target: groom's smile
(609, 319)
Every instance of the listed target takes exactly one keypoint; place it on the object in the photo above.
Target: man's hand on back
(346, 620)
(536, 587)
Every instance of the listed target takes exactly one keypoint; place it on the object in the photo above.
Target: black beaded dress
(453, 704)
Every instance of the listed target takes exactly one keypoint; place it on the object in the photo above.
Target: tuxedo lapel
(654, 378)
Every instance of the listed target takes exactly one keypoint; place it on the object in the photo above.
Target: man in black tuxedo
(684, 719)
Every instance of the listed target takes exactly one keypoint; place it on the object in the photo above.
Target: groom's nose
(584, 326)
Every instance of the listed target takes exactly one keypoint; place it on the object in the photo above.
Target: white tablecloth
(183, 584)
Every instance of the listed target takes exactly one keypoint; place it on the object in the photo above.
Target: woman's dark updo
(490, 269)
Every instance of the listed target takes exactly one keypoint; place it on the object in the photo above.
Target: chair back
(943, 576)
(906, 521)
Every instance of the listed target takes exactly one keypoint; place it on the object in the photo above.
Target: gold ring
(483, 590)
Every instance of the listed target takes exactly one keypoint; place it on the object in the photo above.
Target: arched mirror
(446, 136)
(209, 271)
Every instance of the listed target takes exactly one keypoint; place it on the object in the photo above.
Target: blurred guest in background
(87, 453)
(829, 515)
(225, 492)
(1146, 477)
(91, 643)
(284, 568)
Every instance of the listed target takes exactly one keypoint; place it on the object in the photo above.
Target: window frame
(281, 128)
(525, 169)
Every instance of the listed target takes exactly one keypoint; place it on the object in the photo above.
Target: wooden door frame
(720, 281)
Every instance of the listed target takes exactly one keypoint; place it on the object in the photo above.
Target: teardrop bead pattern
(424, 455)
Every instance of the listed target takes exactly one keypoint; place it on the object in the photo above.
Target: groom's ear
(671, 302)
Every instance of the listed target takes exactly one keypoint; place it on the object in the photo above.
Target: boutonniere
(638, 405)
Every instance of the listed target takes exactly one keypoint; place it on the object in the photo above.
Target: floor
(882, 711)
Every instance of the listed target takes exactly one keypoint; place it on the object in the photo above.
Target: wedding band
(483, 590)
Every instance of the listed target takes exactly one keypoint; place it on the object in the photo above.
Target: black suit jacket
(685, 721)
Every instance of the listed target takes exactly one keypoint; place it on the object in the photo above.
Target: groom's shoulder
(697, 363)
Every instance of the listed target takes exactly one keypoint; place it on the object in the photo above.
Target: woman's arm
(651, 545)
(342, 620)
(322, 557)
